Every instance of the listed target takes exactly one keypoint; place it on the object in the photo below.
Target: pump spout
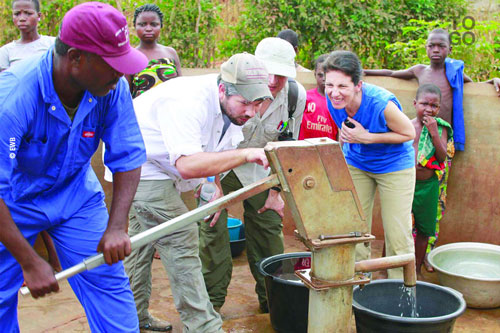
(407, 261)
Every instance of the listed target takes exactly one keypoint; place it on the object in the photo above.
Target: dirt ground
(61, 312)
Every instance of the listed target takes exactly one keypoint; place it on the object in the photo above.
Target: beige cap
(278, 56)
(248, 74)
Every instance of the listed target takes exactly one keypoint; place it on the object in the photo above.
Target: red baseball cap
(101, 29)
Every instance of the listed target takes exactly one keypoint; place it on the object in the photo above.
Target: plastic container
(471, 268)
(378, 306)
(234, 226)
(287, 296)
(207, 191)
(237, 246)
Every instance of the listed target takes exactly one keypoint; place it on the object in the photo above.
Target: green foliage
(365, 27)
(189, 25)
(384, 33)
(478, 47)
(52, 13)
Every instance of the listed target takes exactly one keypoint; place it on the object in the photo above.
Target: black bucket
(287, 296)
(377, 308)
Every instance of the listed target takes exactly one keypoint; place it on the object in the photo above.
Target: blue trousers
(104, 292)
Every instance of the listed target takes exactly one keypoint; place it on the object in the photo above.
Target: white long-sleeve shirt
(181, 117)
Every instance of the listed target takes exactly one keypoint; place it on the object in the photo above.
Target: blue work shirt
(44, 156)
(374, 157)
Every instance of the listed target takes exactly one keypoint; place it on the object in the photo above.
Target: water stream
(408, 301)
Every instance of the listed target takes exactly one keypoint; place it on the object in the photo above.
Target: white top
(15, 51)
(260, 130)
(178, 118)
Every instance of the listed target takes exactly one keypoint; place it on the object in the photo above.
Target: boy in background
(317, 121)
(25, 16)
(293, 38)
(431, 137)
(448, 75)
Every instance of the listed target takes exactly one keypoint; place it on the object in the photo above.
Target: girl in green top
(164, 62)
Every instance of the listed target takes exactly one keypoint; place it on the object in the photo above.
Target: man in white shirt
(191, 127)
(264, 211)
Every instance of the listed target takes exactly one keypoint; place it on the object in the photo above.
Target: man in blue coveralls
(53, 112)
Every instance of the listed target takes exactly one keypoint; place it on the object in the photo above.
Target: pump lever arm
(172, 225)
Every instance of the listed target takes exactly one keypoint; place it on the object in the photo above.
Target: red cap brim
(131, 62)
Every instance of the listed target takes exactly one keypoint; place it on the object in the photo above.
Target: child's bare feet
(427, 265)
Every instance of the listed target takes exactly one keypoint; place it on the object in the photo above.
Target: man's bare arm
(115, 243)
(38, 274)
(207, 164)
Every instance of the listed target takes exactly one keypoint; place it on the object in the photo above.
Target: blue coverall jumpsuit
(48, 184)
